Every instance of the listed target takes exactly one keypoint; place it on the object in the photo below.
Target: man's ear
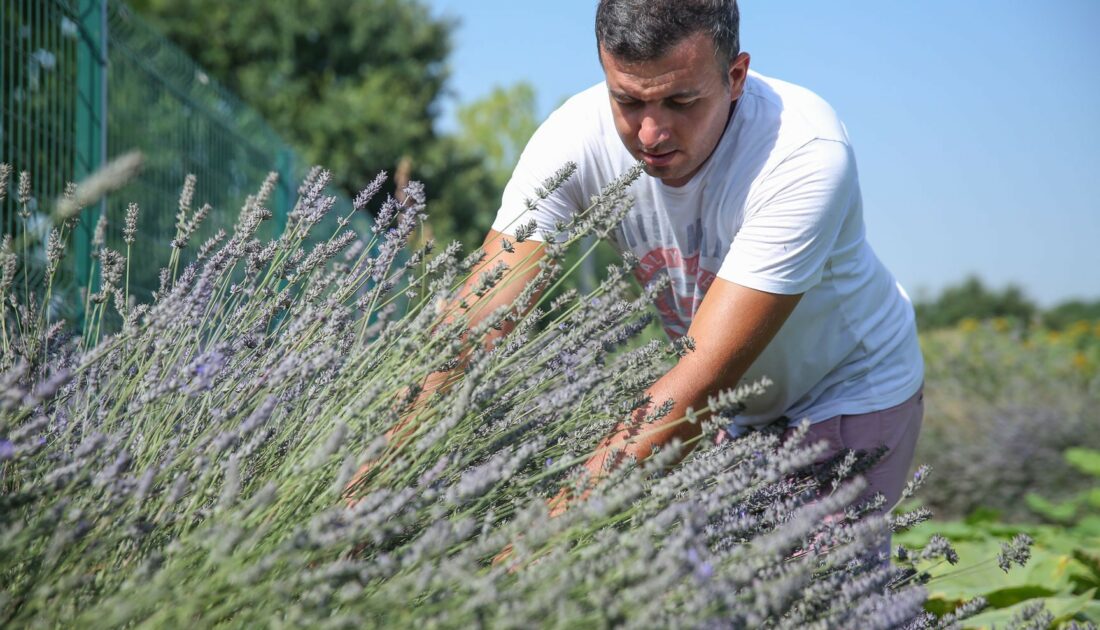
(739, 71)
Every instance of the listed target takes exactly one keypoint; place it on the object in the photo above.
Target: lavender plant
(1002, 409)
(198, 459)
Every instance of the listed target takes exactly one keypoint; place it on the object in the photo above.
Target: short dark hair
(644, 30)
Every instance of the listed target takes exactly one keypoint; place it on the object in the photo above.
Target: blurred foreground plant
(188, 463)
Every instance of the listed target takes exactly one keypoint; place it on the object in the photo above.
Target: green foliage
(1068, 313)
(1064, 570)
(354, 84)
(1062, 573)
(466, 198)
(1063, 608)
(469, 170)
(1057, 512)
(972, 299)
(499, 126)
(1003, 404)
(1086, 460)
(1010, 423)
(1081, 510)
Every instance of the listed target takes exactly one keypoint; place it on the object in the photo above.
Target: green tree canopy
(972, 298)
(1067, 313)
(353, 84)
(499, 126)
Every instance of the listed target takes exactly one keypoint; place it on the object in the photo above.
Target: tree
(466, 198)
(467, 171)
(353, 84)
(1068, 313)
(972, 299)
(499, 126)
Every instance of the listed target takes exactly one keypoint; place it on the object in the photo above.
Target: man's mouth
(658, 159)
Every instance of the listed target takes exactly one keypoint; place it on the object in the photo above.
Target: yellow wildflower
(1080, 361)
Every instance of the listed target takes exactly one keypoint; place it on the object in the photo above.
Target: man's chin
(668, 174)
(659, 170)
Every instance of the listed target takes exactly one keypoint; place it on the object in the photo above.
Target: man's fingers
(503, 555)
(559, 503)
(363, 471)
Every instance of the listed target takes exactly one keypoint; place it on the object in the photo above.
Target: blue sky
(976, 124)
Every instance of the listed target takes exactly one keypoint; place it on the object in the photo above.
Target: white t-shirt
(776, 208)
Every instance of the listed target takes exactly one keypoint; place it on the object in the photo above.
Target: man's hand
(731, 328)
(522, 260)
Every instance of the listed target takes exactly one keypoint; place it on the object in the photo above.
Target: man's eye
(681, 104)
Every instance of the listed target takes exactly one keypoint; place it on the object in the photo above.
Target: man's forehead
(688, 66)
(660, 80)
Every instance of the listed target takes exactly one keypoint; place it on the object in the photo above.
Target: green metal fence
(82, 81)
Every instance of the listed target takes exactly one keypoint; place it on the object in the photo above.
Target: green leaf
(1092, 611)
(1088, 526)
(1072, 607)
(1086, 460)
(978, 573)
(1006, 597)
(1090, 560)
(955, 531)
(1092, 497)
(983, 515)
(1064, 512)
(940, 606)
(1063, 607)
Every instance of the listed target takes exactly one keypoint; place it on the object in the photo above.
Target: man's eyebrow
(677, 95)
(684, 94)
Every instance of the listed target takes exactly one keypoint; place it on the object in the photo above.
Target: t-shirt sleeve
(786, 239)
(557, 142)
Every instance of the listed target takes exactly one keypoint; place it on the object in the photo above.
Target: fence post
(90, 125)
(285, 199)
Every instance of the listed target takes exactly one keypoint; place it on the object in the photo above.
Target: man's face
(671, 112)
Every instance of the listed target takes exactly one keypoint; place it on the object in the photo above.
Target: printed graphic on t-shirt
(689, 281)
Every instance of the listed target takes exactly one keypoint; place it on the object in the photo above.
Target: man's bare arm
(523, 265)
(522, 261)
(731, 328)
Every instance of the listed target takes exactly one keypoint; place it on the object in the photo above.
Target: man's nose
(652, 132)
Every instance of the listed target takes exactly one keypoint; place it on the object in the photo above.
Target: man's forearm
(522, 260)
(730, 330)
(638, 439)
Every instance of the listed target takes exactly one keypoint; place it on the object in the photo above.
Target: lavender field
(253, 445)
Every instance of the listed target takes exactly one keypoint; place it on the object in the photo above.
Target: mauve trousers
(896, 428)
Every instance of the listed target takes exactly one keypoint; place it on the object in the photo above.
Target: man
(750, 202)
